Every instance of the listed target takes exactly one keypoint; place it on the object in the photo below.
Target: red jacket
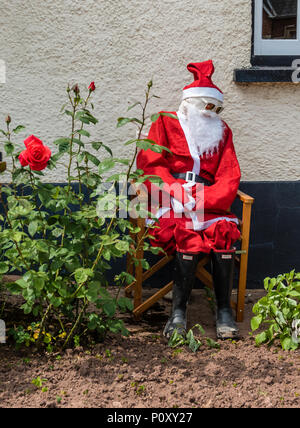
(221, 168)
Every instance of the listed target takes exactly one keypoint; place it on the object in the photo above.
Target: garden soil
(142, 371)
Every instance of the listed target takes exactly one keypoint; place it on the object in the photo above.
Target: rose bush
(54, 237)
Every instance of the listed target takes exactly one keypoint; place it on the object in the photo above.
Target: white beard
(206, 129)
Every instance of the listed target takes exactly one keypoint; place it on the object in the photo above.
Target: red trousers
(172, 235)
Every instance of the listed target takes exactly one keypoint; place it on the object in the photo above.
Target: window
(276, 32)
(275, 43)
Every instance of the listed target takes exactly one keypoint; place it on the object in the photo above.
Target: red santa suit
(217, 228)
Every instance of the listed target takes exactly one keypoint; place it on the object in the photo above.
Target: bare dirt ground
(141, 371)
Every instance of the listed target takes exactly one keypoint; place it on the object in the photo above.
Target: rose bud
(92, 87)
(8, 119)
(76, 89)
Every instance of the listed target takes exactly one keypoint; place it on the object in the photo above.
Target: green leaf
(32, 227)
(83, 132)
(37, 172)
(96, 145)
(91, 118)
(92, 158)
(3, 267)
(261, 338)
(84, 119)
(22, 283)
(42, 246)
(9, 147)
(134, 105)
(193, 344)
(200, 328)
(107, 149)
(109, 307)
(155, 116)
(63, 147)
(14, 288)
(82, 275)
(286, 343)
(62, 141)
(106, 254)
(125, 304)
(173, 116)
(146, 144)
(124, 120)
(18, 129)
(212, 344)
(94, 321)
(38, 283)
(93, 291)
(56, 301)
(117, 326)
(106, 165)
(123, 246)
(256, 321)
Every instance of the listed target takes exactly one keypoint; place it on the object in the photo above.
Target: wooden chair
(141, 306)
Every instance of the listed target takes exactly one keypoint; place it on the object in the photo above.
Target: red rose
(36, 154)
(92, 86)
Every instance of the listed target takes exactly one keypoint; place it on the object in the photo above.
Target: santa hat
(202, 85)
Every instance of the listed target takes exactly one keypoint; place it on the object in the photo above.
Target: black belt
(192, 176)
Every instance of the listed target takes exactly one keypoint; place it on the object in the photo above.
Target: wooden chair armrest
(140, 192)
(244, 197)
(2, 166)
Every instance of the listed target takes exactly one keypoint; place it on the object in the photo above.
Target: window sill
(263, 74)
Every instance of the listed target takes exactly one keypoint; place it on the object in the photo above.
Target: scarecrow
(200, 181)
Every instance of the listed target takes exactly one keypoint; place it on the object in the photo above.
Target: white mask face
(206, 127)
(201, 102)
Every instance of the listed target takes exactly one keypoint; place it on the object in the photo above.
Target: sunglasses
(213, 107)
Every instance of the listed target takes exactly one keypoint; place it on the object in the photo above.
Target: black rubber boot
(184, 277)
(223, 270)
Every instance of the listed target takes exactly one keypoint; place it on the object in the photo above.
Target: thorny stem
(38, 208)
(43, 323)
(75, 325)
(77, 164)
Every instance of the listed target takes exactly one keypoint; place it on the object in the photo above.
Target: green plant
(177, 339)
(38, 382)
(59, 239)
(280, 311)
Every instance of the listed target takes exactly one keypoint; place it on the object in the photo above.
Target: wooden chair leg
(151, 271)
(243, 262)
(153, 299)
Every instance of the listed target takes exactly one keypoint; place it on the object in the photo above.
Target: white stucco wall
(121, 45)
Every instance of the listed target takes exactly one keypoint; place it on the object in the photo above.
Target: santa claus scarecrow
(201, 178)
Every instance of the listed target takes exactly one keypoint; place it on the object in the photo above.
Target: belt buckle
(188, 174)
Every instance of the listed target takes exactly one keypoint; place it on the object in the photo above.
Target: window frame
(260, 47)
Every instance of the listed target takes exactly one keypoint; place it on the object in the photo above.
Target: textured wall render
(121, 45)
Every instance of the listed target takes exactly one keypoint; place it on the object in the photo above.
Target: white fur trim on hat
(202, 92)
